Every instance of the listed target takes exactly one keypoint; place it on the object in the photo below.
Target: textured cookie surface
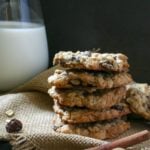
(92, 61)
(100, 99)
(77, 78)
(105, 130)
(138, 97)
(83, 115)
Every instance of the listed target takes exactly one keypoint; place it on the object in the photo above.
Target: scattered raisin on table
(13, 125)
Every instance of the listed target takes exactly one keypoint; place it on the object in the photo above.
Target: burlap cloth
(33, 106)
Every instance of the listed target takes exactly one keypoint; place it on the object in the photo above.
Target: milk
(23, 53)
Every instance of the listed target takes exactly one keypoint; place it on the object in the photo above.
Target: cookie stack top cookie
(92, 61)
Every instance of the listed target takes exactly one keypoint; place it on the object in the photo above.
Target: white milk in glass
(23, 53)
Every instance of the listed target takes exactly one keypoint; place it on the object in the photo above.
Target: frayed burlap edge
(20, 142)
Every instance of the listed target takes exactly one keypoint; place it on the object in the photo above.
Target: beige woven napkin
(33, 106)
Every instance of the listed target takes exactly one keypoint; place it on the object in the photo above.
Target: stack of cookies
(89, 93)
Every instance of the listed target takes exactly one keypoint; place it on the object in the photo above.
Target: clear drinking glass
(23, 43)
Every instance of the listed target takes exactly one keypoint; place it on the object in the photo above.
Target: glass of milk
(23, 43)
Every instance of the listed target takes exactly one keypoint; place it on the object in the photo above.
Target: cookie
(78, 78)
(92, 61)
(98, 130)
(83, 115)
(98, 99)
(138, 97)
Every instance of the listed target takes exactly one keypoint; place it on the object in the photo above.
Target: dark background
(112, 25)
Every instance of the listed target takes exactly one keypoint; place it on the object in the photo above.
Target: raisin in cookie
(83, 115)
(138, 97)
(93, 99)
(77, 78)
(92, 61)
(98, 130)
